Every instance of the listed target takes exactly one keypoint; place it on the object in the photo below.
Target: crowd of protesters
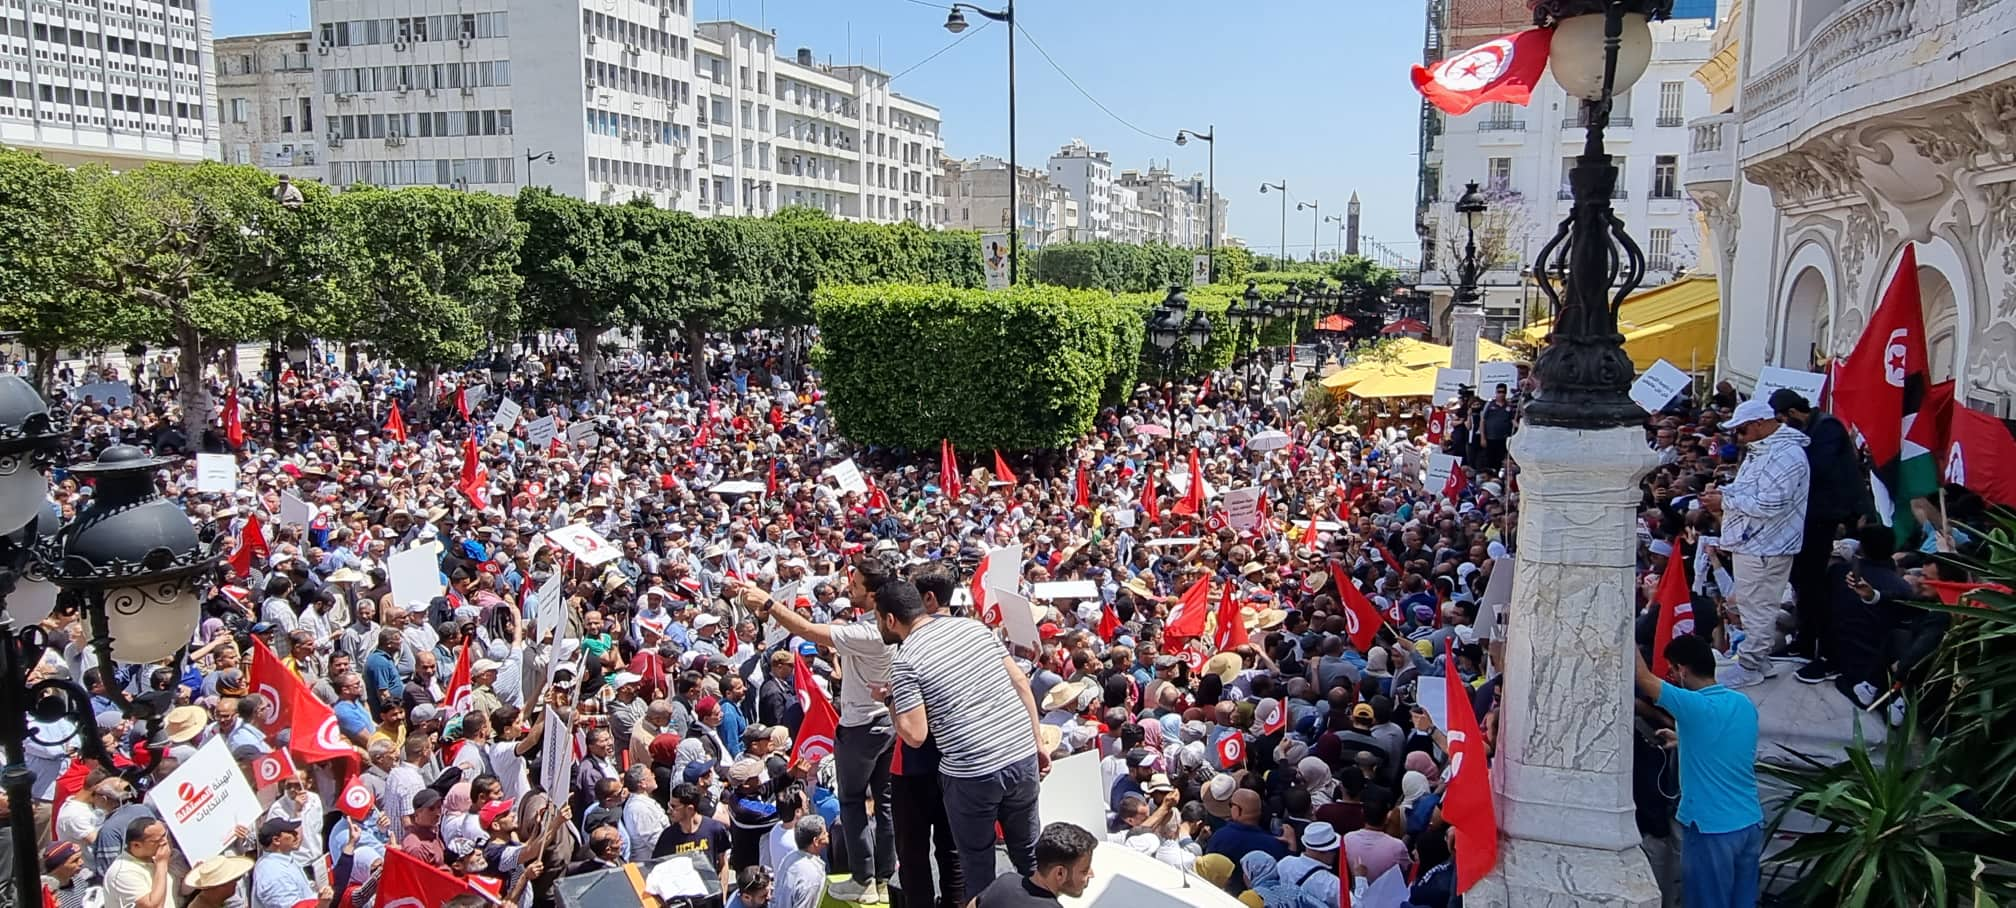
(1282, 760)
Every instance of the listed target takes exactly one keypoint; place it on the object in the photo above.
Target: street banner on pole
(994, 255)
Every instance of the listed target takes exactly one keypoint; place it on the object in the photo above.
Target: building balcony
(1711, 153)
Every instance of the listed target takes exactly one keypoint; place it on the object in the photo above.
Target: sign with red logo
(204, 799)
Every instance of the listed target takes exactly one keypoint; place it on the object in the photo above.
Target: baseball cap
(1748, 412)
(495, 809)
(1159, 783)
(1140, 756)
(1362, 711)
(425, 798)
(273, 827)
(484, 665)
(623, 678)
(755, 733)
(697, 770)
(744, 769)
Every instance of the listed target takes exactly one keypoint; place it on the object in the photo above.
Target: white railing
(1857, 30)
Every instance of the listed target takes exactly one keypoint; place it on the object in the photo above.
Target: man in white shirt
(801, 875)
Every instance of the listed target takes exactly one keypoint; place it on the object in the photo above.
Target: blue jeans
(1719, 869)
(973, 806)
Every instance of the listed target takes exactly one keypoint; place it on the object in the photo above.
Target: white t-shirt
(866, 664)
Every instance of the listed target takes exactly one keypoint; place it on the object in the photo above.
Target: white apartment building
(267, 96)
(613, 100)
(1173, 215)
(978, 200)
(1843, 130)
(1087, 176)
(119, 82)
(1521, 156)
(1208, 206)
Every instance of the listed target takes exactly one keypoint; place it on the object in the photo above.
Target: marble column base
(1464, 325)
(1533, 874)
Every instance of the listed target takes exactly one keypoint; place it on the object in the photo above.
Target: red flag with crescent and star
(1503, 69)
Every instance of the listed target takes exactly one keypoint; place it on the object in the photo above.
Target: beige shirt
(129, 879)
(864, 658)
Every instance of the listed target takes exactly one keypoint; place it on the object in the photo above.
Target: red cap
(707, 706)
(1048, 631)
(495, 809)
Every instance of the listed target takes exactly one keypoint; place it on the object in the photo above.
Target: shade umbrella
(1269, 440)
(1151, 428)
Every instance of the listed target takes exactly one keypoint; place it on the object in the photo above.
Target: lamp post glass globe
(1576, 56)
(956, 22)
(1199, 331)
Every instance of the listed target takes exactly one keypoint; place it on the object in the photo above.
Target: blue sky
(1313, 91)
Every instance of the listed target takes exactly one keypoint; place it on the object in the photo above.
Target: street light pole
(956, 23)
(1466, 317)
(1210, 138)
(1283, 186)
(1315, 220)
(1333, 219)
(535, 157)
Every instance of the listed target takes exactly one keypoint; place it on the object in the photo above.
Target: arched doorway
(1942, 322)
(1805, 333)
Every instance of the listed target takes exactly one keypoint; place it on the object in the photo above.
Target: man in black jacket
(1838, 496)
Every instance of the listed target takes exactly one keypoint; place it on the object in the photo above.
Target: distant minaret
(1351, 227)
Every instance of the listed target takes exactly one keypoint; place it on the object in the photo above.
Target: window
(1670, 96)
(1659, 253)
(1500, 171)
(1623, 178)
(241, 110)
(1666, 176)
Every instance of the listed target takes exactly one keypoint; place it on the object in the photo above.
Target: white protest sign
(551, 610)
(1066, 589)
(415, 575)
(1004, 567)
(1449, 382)
(508, 412)
(994, 257)
(539, 433)
(1123, 518)
(1808, 384)
(109, 393)
(216, 473)
(786, 596)
(1242, 507)
(1491, 375)
(556, 753)
(848, 476)
(294, 510)
(1016, 618)
(1658, 386)
(1433, 697)
(205, 799)
(584, 543)
(1200, 270)
(1440, 466)
(580, 433)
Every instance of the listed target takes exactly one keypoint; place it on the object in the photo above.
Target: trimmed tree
(584, 267)
(43, 252)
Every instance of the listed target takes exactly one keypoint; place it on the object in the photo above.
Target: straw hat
(346, 575)
(1063, 694)
(184, 723)
(217, 871)
(1225, 665)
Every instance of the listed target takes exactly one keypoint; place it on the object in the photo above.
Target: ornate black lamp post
(1601, 47)
(134, 564)
(1248, 314)
(1466, 317)
(1176, 332)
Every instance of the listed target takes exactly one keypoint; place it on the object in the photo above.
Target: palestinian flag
(1883, 387)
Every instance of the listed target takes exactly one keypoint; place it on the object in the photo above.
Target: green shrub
(907, 365)
(1106, 265)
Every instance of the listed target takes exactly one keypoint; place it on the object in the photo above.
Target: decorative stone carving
(1859, 240)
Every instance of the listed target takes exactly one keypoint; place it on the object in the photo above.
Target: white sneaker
(1866, 694)
(1771, 669)
(1736, 677)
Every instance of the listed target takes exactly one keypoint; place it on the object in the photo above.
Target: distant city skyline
(1278, 110)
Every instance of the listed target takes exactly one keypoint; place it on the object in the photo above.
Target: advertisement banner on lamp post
(994, 256)
(1200, 270)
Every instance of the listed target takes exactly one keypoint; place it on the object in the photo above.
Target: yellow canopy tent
(1408, 369)
(1679, 323)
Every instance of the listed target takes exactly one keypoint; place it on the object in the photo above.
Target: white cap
(1748, 412)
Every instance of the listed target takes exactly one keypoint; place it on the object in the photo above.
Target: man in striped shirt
(953, 682)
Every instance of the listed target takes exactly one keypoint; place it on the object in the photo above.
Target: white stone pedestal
(1465, 323)
(1563, 765)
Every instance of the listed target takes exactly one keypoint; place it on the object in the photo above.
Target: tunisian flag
(1438, 422)
(234, 426)
(1466, 795)
(1880, 391)
(1981, 454)
(460, 686)
(1081, 487)
(395, 424)
(355, 800)
(1193, 497)
(1151, 511)
(407, 879)
(948, 469)
(1001, 471)
(1361, 618)
(815, 734)
(1504, 69)
(1187, 621)
(251, 546)
(1231, 633)
(475, 479)
(1676, 608)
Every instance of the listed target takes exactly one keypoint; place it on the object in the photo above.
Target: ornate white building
(1845, 129)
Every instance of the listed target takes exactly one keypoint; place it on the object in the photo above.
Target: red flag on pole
(1001, 470)
(274, 683)
(1438, 421)
(948, 469)
(251, 547)
(272, 768)
(355, 800)
(1312, 540)
(1459, 479)
(1231, 632)
(407, 880)
(1505, 69)
(984, 606)
(1151, 511)
(475, 479)
(313, 731)
(1466, 793)
(770, 483)
(1362, 619)
(1204, 390)
(1676, 607)
(462, 400)
(460, 686)
(1081, 493)
(1187, 620)
(234, 425)
(1953, 592)
(815, 733)
(1193, 497)
(1981, 455)
(1232, 751)
(395, 424)
(1109, 623)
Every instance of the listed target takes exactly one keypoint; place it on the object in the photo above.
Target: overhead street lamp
(1340, 222)
(1283, 186)
(955, 22)
(1209, 137)
(1315, 221)
(536, 157)
(133, 564)
(1466, 316)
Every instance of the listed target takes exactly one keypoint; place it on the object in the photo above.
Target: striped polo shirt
(954, 668)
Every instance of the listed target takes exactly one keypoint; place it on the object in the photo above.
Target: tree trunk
(423, 402)
(44, 376)
(696, 350)
(192, 391)
(587, 335)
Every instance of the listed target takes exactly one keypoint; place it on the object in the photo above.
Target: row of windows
(434, 172)
(98, 41)
(84, 118)
(55, 94)
(618, 126)
(420, 77)
(1665, 174)
(637, 81)
(423, 125)
(623, 31)
(414, 29)
(640, 175)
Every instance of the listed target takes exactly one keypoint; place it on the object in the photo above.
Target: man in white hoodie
(1763, 526)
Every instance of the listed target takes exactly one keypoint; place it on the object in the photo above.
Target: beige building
(267, 102)
(978, 200)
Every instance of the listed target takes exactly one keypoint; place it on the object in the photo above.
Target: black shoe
(1816, 672)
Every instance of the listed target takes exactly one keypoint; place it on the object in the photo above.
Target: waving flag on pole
(475, 479)
(1883, 386)
(1193, 497)
(948, 469)
(1151, 511)
(1081, 487)
(1001, 471)
(1186, 621)
(395, 424)
(1231, 632)
(1503, 69)
(234, 425)
(460, 685)
(1361, 618)
(1676, 608)
(1466, 793)
(251, 546)
(816, 733)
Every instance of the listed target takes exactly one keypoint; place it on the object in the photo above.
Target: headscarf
(1262, 714)
(1263, 879)
(1316, 780)
(457, 800)
(1421, 762)
(664, 749)
(1412, 786)
(1172, 728)
(1290, 752)
(1215, 868)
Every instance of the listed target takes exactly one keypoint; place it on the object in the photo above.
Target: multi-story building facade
(1843, 131)
(1521, 156)
(613, 100)
(978, 200)
(1174, 216)
(115, 83)
(267, 98)
(1087, 176)
(1208, 205)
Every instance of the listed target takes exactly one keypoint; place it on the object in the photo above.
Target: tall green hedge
(1105, 265)
(1019, 369)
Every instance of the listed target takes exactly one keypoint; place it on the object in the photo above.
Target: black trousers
(923, 831)
(1812, 600)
